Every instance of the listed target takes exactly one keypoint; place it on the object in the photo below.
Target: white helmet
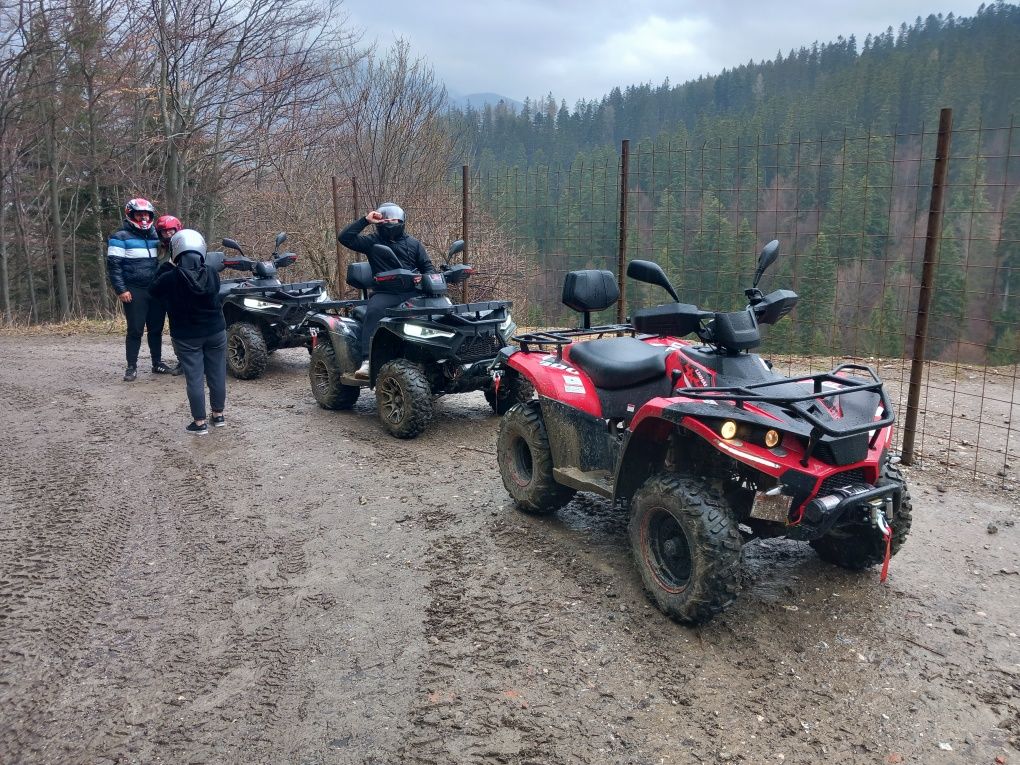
(184, 241)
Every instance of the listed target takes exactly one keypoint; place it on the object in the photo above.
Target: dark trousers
(374, 311)
(204, 360)
(144, 314)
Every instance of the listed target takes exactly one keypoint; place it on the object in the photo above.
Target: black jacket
(409, 251)
(132, 257)
(191, 293)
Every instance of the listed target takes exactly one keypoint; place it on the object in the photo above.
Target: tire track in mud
(516, 667)
(58, 545)
(217, 686)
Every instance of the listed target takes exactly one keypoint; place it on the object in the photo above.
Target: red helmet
(167, 226)
(140, 213)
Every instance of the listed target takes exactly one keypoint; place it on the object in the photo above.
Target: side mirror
(455, 248)
(768, 256)
(280, 239)
(651, 273)
(230, 244)
(383, 258)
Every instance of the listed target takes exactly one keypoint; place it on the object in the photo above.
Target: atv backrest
(590, 290)
(359, 275)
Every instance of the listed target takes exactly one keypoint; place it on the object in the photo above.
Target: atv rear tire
(324, 374)
(525, 461)
(859, 546)
(686, 546)
(404, 398)
(247, 355)
(513, 389)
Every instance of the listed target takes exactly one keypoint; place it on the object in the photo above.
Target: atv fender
(642, 455)
(342, 333)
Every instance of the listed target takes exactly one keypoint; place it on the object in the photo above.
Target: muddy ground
(301, 588)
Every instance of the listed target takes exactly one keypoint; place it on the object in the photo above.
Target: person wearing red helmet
(132, 257)
(166, 227)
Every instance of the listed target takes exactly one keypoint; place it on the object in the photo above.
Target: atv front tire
(324, 374)
(247, 354)
(686, 546)
(858, 546)
(514, 388)
(404, 398)
(525, 461)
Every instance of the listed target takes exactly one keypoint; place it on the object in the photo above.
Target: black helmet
(392, 227)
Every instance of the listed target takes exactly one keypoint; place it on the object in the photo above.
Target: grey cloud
(583, 49)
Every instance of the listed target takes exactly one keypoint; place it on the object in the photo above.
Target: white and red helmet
(140, 213)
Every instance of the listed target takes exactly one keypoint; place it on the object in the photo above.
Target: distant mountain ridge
(481, 100)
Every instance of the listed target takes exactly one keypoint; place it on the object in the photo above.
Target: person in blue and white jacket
(131, 261)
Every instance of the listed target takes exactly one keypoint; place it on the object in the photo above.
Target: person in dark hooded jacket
(190, 289)
(410, 254)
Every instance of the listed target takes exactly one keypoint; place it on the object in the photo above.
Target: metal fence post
(341, 270)
(931, 244)
(621, 265)
(357, 205)
(464, 204)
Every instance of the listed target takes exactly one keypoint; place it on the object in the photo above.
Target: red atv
(708, 445)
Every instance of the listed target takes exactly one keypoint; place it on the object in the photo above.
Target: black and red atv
(705, 442)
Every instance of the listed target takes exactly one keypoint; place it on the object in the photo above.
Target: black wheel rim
(320, 377)
(522, 464)
(667, 550)
(236, 351)
(391, 400)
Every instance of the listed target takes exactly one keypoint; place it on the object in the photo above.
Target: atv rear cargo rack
(561, 337)
(757, 392)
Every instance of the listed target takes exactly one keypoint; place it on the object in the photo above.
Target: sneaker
(218, 420)
(162, 368)
(198, 430)
(362, 370)
(130, 374)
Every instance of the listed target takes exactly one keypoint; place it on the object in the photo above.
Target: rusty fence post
(621, 264)
(341, 269)
(464, 207)
(931, 245)
(357, 206)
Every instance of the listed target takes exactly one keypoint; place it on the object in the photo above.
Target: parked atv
(707, 444)
(263, 314)
(426, 346)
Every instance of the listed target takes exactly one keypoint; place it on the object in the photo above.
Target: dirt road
(301, 588)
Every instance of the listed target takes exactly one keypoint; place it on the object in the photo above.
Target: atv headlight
(772, 438)
(256, 303)
(417, 330)
(728, 429)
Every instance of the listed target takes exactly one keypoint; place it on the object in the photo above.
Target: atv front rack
(307, 291)
(804, 405)
(557, 338)
(462, 311)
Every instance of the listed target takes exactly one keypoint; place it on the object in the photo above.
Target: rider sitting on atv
(410, 254)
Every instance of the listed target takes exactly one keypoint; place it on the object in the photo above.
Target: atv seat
(618, 362)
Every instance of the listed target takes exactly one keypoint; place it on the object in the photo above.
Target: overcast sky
(583, 48)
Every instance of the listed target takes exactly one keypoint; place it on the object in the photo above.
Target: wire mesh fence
(852, 215)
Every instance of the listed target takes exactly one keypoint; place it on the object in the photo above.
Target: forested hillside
(828, 148)
(893, 78)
